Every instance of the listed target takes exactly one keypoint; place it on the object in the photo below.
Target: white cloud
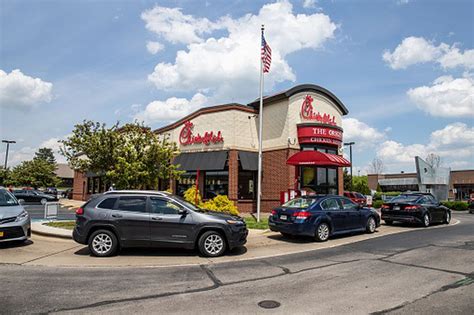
(454, 144)
(362, 134)
(402, 2)
(229, 65)
(23, 92)
(154, 47)
(413, 50)
(171, 109)
(447, 97)
(309, 4)
(176, 27)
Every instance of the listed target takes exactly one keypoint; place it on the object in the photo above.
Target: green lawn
(253, 224)
(68, 225)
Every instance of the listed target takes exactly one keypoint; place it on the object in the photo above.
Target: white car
(15, 223)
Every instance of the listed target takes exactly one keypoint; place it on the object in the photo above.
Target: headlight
(22, 216)
(233, 222)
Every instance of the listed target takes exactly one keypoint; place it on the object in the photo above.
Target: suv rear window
(107, 203)
(132, 203)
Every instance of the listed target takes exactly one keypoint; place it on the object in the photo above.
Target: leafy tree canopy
(130, 157)
(36, 173)
(45, 154)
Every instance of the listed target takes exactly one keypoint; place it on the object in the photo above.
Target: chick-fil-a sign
(308, 113)
(186, 136)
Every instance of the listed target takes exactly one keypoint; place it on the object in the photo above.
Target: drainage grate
(269, 304)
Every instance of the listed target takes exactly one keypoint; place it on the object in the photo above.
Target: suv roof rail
(138, 192)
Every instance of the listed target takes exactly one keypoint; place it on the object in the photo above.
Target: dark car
(471, 206)
(322, 216)
(29, 195)
(118, 219)
(356, 197)
(420, 208)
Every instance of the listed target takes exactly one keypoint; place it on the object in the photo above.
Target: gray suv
(118, 219)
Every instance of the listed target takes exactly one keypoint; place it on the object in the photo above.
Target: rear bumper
(402, 218)
(291, 228)
(80, 238)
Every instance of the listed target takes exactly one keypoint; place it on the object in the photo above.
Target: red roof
(318, 159)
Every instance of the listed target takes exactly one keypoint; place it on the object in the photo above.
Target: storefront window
(186, 181)
(322, 180)
(247, 184)
(216, 183)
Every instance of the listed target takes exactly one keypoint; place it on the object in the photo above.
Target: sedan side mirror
(183, 212)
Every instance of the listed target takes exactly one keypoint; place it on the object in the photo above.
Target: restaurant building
(302, 148)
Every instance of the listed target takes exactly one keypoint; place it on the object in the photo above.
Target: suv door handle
(156, 218)
(116, 215)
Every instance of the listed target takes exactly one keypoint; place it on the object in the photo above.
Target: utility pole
(350, 144)
(6, 153)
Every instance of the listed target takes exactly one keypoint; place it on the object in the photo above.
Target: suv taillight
(80, 211)
(302, 214)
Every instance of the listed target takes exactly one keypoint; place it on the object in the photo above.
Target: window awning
(248, 160)
(317, 158)
(204, 161)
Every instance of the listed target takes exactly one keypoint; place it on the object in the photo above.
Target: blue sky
(403, 68)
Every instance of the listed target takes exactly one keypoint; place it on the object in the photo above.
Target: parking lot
(36, 212)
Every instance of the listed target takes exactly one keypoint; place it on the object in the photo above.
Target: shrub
(377, 204)
(456, 205)
(221, 203)
(191, 195)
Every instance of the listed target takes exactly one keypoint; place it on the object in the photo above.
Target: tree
(347, 180)
(131, 156)
(46, 154)
(376, 166)
(433, 160)
(361, 184)
(36, 173)
(4, 176)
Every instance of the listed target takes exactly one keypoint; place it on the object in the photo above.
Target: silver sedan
(15, 223)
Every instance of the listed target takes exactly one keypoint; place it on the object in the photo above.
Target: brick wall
(79, 186)
(233, 163)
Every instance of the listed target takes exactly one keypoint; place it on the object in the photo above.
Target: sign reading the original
(308, 113)
(186, 136)
(315, 134)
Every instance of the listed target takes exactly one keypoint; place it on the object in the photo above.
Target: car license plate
(283, 217)
(396, 208)
(1, 234)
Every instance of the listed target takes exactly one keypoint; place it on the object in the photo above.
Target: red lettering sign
(186, 136)
(316, 134)
(308, 113)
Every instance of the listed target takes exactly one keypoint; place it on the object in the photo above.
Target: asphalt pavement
(425, 271)
(36, 212)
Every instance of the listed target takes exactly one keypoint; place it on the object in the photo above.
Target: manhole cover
(269, 304)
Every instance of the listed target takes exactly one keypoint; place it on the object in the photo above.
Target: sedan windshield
(405, 198)
(299, 203)
(7, 199)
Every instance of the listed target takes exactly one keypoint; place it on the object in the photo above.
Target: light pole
(350, 144)
(8, 147)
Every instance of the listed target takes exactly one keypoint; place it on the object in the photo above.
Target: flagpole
(260, 127)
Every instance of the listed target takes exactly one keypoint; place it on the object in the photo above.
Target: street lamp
(6, 153)
(350, 144)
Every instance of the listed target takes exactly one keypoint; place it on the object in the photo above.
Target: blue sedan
(322, 216)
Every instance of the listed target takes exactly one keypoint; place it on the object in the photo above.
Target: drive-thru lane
(424, 270)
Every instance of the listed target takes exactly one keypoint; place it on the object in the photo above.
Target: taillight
(411, 208)
(274, 212)
(385, 207)
(301, 215)
(80, 211)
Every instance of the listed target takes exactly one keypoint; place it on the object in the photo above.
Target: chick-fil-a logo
(308, 113)
(186, 136)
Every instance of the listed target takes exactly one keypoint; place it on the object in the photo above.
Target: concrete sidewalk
(44, 230)
(70, 203)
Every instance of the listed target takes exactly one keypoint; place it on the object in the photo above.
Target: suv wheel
(211, 244)
(426, 220)
(371, 225)
(322, 232)
(103, 243)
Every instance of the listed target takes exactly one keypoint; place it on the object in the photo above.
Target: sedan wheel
(447, 217)
(371, 225)
(103, 243)
(212, 244)
(426, 220)
(322, 232)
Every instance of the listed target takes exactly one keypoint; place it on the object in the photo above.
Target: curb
(39, 229)
(47, 234)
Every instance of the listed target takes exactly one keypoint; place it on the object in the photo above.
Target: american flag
(266, 55)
